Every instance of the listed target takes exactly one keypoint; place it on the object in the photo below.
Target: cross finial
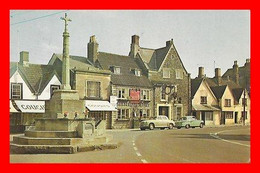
(66, 19)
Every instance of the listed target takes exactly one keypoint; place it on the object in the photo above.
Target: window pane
(93, 89)
(16, 91)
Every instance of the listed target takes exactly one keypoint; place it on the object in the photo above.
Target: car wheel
(187, 126)
(201, 125)
(170, 126)
(151, 126)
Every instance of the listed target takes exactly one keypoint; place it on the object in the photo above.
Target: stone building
(92, 84)
(240, 75)
(129, 85)
(233, 100)
(170, 80)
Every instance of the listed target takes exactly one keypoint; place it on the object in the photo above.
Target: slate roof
(80, 63)
(218, 90)
(244, 75)
(36, 76)
(195, 83)
(212, 82)
(237, 93)
(126, 63)
(154, 57)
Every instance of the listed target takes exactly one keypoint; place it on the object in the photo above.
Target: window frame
(227, 103)
(179, 73)
(203, 100)
(166, 73)
(21, 91)
(95, 90)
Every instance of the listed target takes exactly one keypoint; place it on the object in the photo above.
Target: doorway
(164, 110)
(236, 117)
(222, 119)
(203, 117)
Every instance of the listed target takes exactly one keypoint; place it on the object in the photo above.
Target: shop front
(23, 113)
(100, 110)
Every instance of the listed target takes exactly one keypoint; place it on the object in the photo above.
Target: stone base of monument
(60, 133)
(62, 136)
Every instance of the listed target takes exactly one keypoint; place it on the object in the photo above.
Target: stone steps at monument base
(51, 134)
(59, 149)
(24, 140)
(42, 149)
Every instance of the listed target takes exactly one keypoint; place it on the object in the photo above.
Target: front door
(222, 119)
(203, 117)
(236, 114)
(164, 110)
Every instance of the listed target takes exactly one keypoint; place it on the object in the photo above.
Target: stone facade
(181, 86)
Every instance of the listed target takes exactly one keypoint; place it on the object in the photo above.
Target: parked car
(189, 121)
(160, 121)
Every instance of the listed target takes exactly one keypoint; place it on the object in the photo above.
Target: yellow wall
(203, 90)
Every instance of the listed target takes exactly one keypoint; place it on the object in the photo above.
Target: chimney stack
(169, 43)
(134, 48)
(92, 49)
(201, 72)
(247, 62)
(235, 72)
(24, 58)
(218, 75)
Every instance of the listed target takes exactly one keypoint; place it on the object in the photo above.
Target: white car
(160, 121)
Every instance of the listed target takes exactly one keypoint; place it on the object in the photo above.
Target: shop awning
(30, 106)
(204, 108)
(97, 105)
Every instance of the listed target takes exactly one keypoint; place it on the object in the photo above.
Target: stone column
(65, 59)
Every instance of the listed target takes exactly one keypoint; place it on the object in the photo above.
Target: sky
(207, 38)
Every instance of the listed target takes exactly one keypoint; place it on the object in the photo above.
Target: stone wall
(173, 63)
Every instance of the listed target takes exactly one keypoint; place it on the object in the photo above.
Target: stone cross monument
(66, 59)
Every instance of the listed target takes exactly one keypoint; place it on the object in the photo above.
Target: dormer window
(136, 72)
(115, 70)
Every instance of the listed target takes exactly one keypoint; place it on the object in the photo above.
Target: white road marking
(144, 161)
(138, 154)
(135, 148)
(133, 144)
(215, 135)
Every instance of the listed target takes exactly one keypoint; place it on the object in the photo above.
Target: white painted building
(30, 86)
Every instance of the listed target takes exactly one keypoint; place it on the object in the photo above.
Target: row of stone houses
(220, 100)
(144, 84)
(124, 89)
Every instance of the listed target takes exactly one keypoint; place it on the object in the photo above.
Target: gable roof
(79, 63)
(126, 63)
(36, 76)
(154, 57)
(195, 84)
(218, 91)
(212, 82)
(237, 92)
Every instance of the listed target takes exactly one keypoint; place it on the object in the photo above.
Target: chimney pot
(217, 72)
(170, 42)
(201, 72)
(24, 57)
(135, 39)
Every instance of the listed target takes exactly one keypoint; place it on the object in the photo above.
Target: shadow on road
(207, 136)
